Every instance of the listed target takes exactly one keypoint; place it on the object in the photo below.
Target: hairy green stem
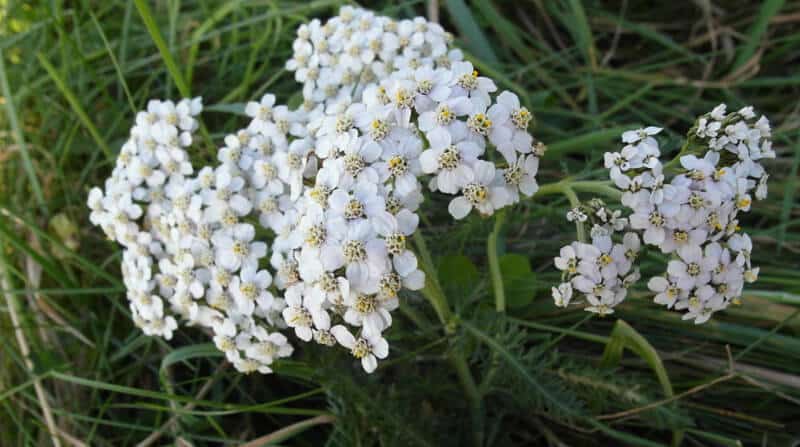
(494, 262)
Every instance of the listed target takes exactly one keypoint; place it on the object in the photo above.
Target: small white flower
(693, 269)
(361, 253)
(719, 112)
(368, 349)
(480, 193)
(644, 135)
(602, 305)
(237, 249)
(261, 112)
(369, 311)
(249, 289)
(562, 294)
(450, 160)
(567, 260)
(667, 293)
(576, 215)
(466, 80)
(395, 231)
(296, 314)
(508, 114)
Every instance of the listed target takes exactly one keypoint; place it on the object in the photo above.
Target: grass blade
(197, 35)
(51, 268)
(290, 431)
(11, 111)
(470, 32)
(757, 30)
(114, 61)
(204, 350)
(158, 39)
(588, 140)
(583, 33)
(514, 362)
(76, 106)
(624, 336)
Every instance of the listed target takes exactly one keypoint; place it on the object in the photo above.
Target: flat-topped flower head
(687, 208)
(332, 188)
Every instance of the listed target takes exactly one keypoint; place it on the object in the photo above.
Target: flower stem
(434, 294)
(569, 189)
(432, 290)
(674, 165)
(494, 262)
(601, 187)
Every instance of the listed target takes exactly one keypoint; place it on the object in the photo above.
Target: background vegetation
(73, 73)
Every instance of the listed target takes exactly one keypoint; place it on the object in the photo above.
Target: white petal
(405, 263)
(369, 363)
(380, 347)
(459, 207)
(415, 280)
(343, 336)
(304, 333)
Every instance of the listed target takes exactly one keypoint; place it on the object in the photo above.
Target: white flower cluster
(335, 184)
(391, 103)
(191, 253)
(693, 217)
(602, 270)
(339, 59)
(151, 168)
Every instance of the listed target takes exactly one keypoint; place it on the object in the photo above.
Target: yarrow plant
(687, 208)
(304, 224)
(302, 229)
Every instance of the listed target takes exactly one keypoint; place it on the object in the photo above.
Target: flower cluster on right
(688, 208)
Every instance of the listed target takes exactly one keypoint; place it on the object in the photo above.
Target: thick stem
(494, 262)
(602, 187)
(434, 294)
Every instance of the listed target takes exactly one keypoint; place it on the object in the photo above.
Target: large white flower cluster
(193, 253)
(391, 104)
(693, 216)
(334, 185)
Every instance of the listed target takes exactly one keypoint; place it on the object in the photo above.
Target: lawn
(493, 361)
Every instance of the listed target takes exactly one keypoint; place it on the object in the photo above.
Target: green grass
(72, 75)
